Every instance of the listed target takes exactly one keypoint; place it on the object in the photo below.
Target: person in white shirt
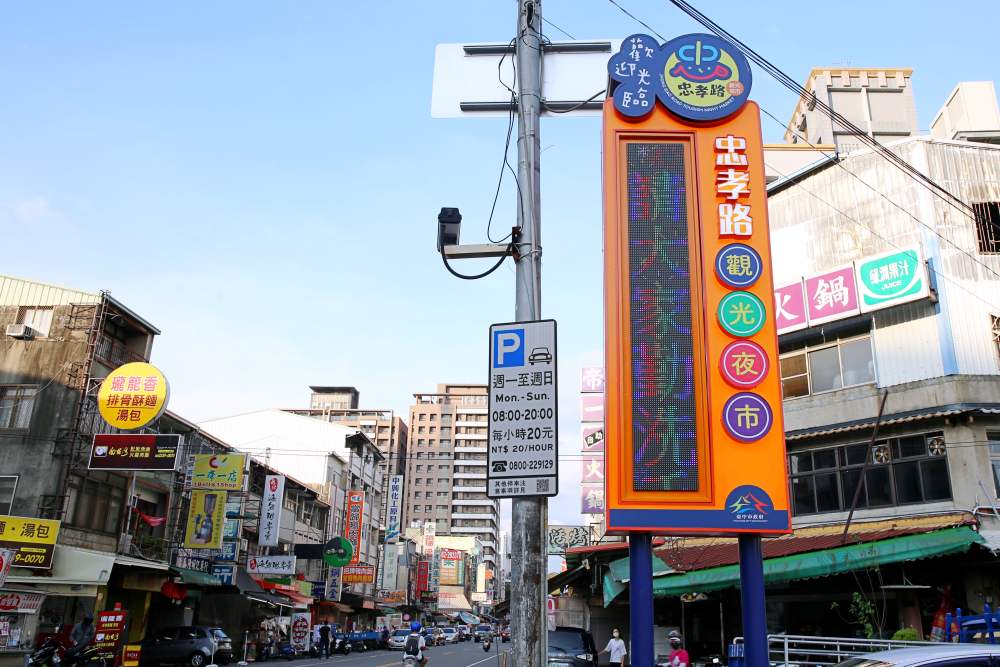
(615, 648)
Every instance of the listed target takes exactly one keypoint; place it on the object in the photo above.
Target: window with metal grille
(16, 405)
(995, 325)
(988, 226)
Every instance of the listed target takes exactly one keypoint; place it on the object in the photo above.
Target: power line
(637, 20)
(838, 162)
(545, 20)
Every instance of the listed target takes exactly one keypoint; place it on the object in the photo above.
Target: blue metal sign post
(640, 601)
(752, 599)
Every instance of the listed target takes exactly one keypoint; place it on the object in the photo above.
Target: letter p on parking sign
(508, 348)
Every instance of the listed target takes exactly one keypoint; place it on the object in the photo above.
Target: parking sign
(523, 447)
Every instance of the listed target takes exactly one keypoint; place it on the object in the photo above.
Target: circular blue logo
(702, 78)
(738, 265)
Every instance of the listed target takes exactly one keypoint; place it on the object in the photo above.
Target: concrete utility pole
(530, 515)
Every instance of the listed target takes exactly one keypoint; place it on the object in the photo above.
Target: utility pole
(530, 514)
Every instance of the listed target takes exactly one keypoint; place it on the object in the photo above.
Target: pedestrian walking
(678, 656)
(324, 639)
(615, 648)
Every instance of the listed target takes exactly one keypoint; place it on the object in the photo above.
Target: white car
(398, 639)
(451, 635)
(946, 655)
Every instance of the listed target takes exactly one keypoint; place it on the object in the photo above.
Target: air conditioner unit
(22, 331)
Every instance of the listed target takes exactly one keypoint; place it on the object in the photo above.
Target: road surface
(465, 654)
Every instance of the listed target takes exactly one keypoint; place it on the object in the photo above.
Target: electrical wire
(545, 20)
(637, 20)
(575, 107)
(839, 162)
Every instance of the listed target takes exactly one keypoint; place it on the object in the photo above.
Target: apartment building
(446, 466)
(339, 405)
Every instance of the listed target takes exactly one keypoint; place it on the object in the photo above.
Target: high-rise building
(877, 100)
(339, 405)
(446, 466)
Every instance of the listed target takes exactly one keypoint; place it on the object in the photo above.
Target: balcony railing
(115, 353)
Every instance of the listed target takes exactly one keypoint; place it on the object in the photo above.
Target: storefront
(19, 612)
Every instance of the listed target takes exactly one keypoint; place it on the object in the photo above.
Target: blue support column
(640, 598)
(752, 597)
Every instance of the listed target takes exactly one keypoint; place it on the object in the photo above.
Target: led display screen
(664, 443)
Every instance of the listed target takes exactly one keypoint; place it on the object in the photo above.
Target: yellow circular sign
(133, 395)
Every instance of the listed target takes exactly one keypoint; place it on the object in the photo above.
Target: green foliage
(862, 612)
(906, 635)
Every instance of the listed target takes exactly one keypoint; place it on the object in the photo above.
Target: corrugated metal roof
(686, 554)
(869, 423)
(20, 292)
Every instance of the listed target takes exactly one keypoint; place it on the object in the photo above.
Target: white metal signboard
(270, 510)
(394, 509)
(523, 435)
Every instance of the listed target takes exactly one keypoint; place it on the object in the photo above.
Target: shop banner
(592, 380)
(228, 551)
(831, 296)
(131, 656)
(33, 539)
(390, 566)
(21, 603)
(352, 527)
(452, 567)
(790, 308)
(394, 509)
(129, 451)
(891, 278)
(225, 573)
(6, 558)
(333, 585)
(206, 516)
(299, 633)
(282, 565)
(591, 499)
(358, 574)
(269, 524)
(430, 532)
(222, 472)
(108, 633)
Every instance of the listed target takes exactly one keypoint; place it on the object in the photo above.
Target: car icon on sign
(540, 355)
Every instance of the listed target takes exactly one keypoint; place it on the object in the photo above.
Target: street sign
(467, 81)
(523, 450)
(694, 439)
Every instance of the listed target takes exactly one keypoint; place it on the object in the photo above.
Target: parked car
(398, 639)
(572, 647)
(483, 630)
(451, 635)
(951, 655)
(193, 645)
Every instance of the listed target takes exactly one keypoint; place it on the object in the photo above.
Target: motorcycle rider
(415, 645)
(81, 636)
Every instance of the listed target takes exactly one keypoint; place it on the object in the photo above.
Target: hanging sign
(283, 565)
(133, 395)
(394, 508)
(223, 472)
(358, 574)
(338, 552)
(206, 517)
(269, 523)
(352, 526)
(131, 451)
(693, 424)
(33, 540)
(6, 558)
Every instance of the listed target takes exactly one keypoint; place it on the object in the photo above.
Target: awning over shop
(75, 572)
(453, 601)
(808, 565)
(246, 583)
(128, 561)
(569, 577)
(197, 578)
(272, 599)
(299, 601)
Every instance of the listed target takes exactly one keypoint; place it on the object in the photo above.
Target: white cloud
(33, 210)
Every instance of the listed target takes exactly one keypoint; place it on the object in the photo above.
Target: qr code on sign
(542, 485)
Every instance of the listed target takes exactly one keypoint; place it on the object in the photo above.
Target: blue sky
(261, 180)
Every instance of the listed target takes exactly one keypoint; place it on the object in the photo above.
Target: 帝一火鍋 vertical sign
(695, 441)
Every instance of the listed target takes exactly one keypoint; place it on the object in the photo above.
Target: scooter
(486, 644)
(49, 654)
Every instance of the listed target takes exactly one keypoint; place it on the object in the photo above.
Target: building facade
(446, 466)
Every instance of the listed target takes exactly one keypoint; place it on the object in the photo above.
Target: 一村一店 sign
(394, 508)
(866, 285)
(271, 565)
(352, 527)
(269, 523)
(223, 472)
(523, 446)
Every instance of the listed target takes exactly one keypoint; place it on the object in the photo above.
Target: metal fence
(806, 651)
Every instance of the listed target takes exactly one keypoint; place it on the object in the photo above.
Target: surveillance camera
(449, 225)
